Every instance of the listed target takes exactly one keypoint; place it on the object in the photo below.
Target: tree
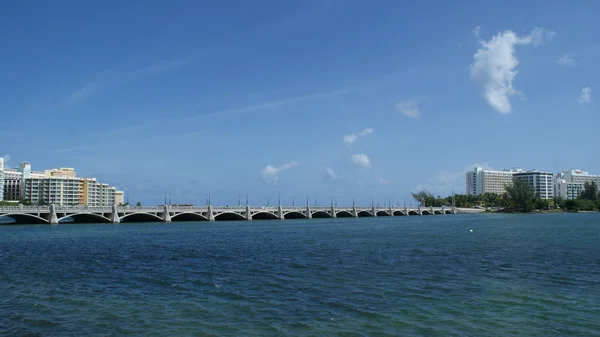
(522, 195)
(559, 202)
(138, 204)
(424, 198)
(590, 191)
(580, 205)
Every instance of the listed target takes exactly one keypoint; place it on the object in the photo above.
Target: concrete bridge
(167, 213)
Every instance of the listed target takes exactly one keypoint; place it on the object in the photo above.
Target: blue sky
(322, 98)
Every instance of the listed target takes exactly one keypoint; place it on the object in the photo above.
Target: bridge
(170, 213)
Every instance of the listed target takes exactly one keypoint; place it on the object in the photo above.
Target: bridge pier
(308, 214)
(114, 216)
(373, 211)
(166, 216)
(209, 214)
(333, 212)
(354, 213)
(248, 214)
(52, 217)
(406, 211)
(280, 213)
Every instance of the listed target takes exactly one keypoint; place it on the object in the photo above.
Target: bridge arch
(382, 213)
(448, 211)
(399, 213)
(141, 217)
(264, 216)
(343, 214)
(188, 217)
(85, 218)
(364, 214)
(413, 213)
(229, 216)
(294, 215)
(425, 213)
(437, 212)
(25, 219)
(321, 215)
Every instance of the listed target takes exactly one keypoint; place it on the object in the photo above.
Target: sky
(289, 100)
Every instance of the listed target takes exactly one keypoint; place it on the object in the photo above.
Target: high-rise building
(61, 191)
(59, 186)
(96, 194)
(480, 181)
(541, 182)
(119, 197)
(569, 183)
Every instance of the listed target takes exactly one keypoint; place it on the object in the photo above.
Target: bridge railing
(32, 209)
(75, 209)
(123, 209)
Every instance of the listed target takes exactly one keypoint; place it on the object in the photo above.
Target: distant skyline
(344, 99)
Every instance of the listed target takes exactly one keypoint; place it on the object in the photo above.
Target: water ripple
(410, 276)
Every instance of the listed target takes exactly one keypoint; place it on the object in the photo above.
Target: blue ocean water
(513, 275)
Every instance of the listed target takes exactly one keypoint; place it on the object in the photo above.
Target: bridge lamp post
(239, 200)
(293, 201)
(268, 200)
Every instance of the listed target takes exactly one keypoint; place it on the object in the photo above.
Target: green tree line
(519, 196)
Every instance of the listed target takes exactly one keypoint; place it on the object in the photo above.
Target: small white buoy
(471, 230)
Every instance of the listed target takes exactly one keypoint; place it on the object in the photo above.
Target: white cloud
(476, 31)
(269, 173)
(566, 60)
(361, 160)
(586, 96)
(384, 181)
(409, 108)
(366, 131)
(351, 138)
(495, 65)
(330, 174)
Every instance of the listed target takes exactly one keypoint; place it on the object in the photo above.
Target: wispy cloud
(409, 108)
(361, 160)
(353, 137)
(270, 173)
(495, 65)
(586, 96)
(111, 79)
(566, 60)
(383, 181)
(446, 181)
(476, 31)
(330, 174)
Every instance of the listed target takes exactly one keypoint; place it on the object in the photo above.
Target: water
(514, 275)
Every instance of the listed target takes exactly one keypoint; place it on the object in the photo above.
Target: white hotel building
(480, 181)
(569, 183)
(60, 186)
